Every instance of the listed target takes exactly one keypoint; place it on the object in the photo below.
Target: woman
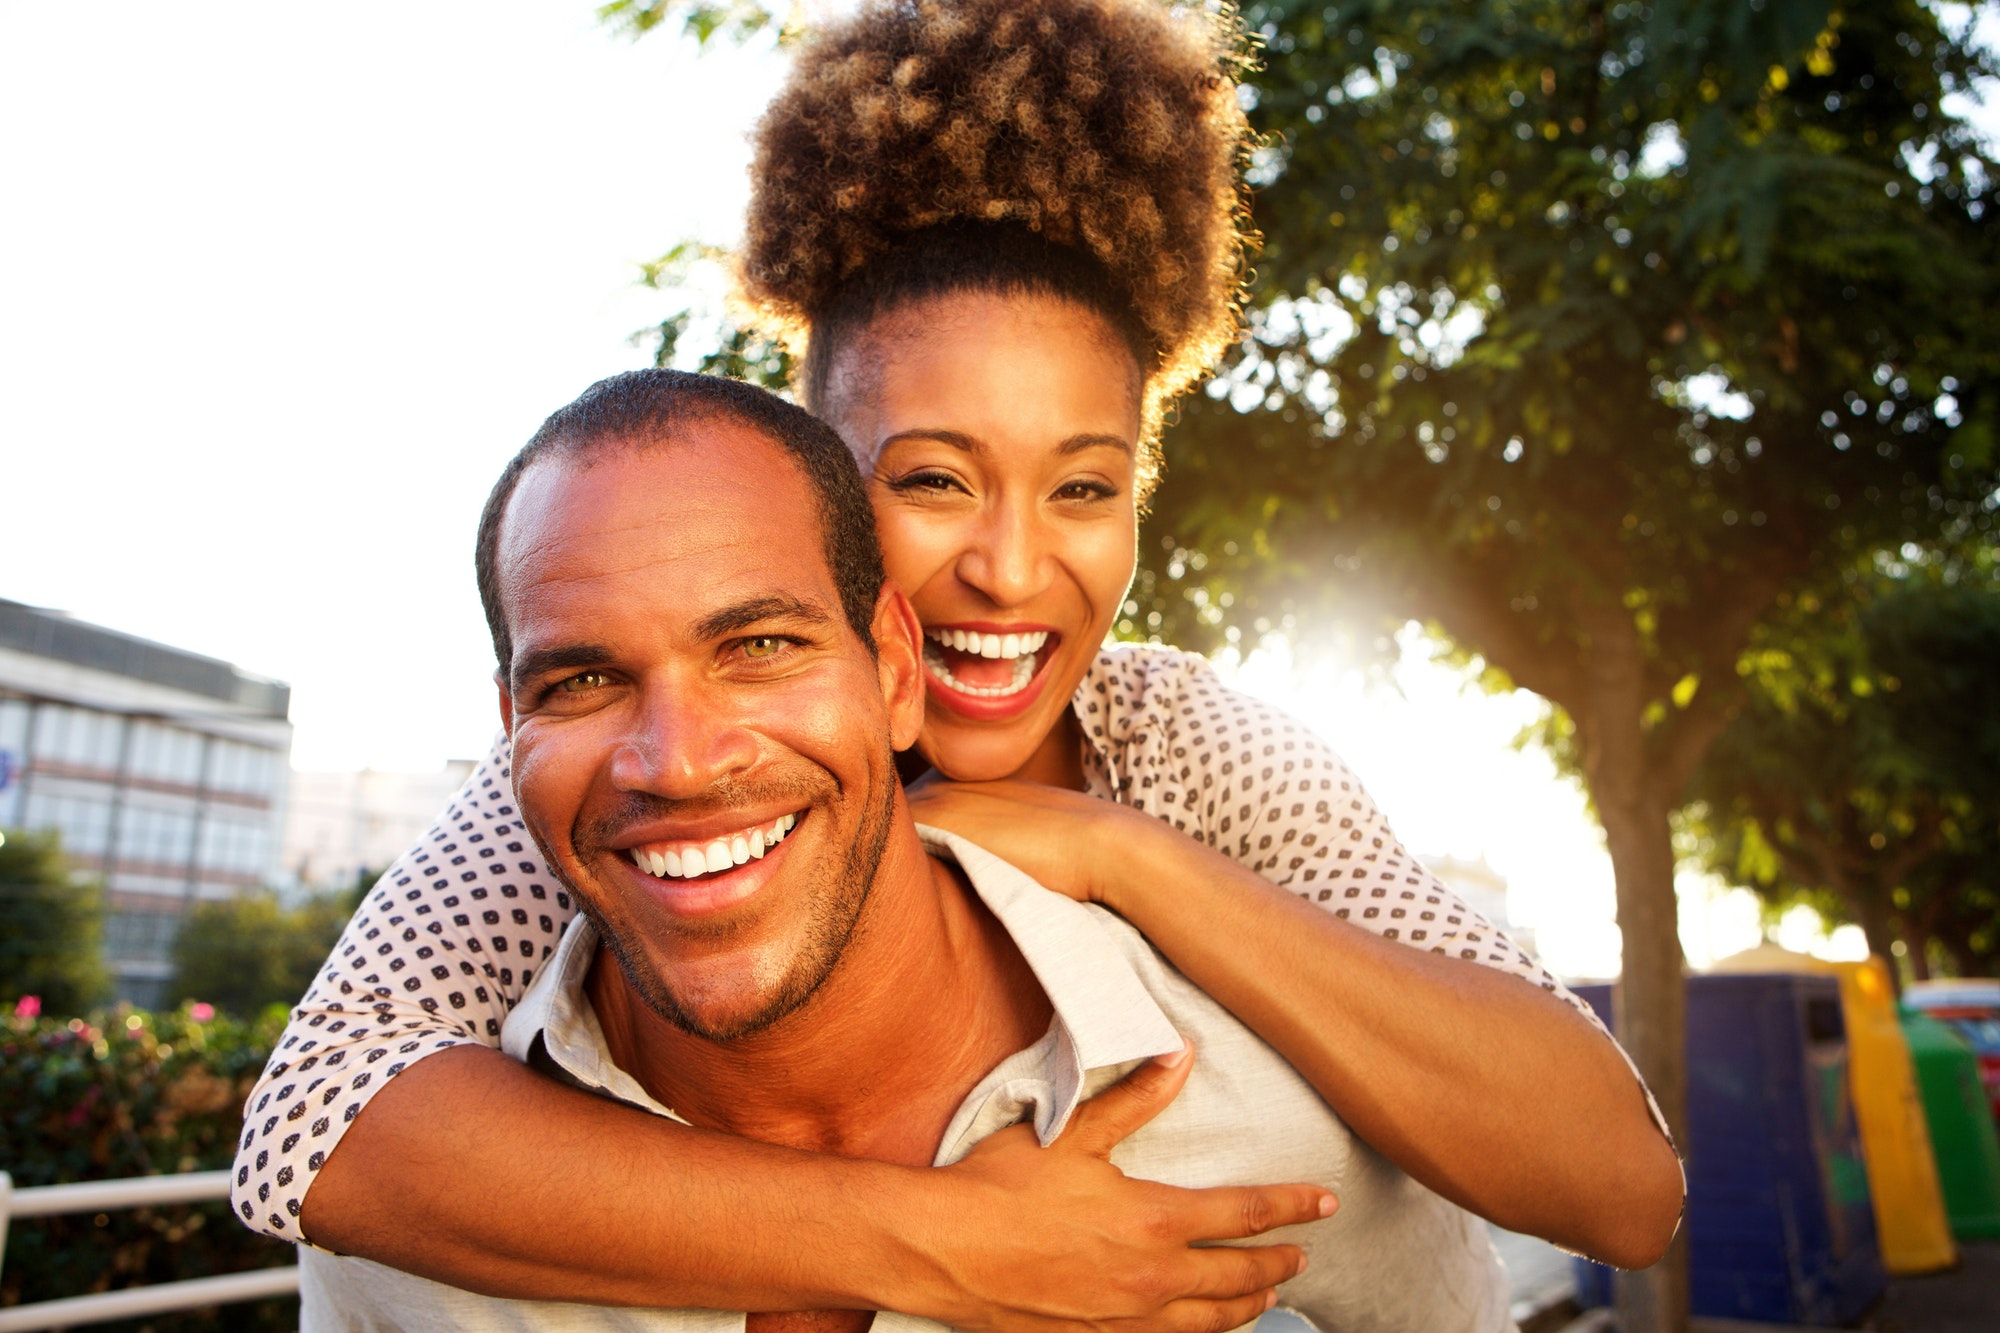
(1005, 235)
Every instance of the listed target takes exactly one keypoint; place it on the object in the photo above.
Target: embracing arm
(386, 1126)
(1488, 1089)
(545, 1192)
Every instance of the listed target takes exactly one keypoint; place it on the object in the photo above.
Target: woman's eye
(1085, 490)
(927, 483)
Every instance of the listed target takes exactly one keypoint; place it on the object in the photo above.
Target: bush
(51, 927)
(246, 954)
(130, 1093)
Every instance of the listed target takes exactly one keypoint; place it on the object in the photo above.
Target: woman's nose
(1006, 559)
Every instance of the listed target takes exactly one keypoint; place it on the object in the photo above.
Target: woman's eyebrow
(1076, 444)
(956, 439)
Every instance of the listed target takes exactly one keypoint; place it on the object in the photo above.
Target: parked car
(1972, 1008)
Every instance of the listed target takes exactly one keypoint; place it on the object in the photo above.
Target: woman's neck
(1058, 760)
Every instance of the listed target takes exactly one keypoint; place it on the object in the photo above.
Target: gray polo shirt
(1394, 1257)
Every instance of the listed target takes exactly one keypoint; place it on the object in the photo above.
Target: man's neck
(928, 997)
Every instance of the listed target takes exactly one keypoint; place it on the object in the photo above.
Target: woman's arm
(610, 1205)
(1493, 1092)
(386, 1126)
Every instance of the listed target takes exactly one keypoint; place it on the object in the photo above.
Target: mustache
(635, 807)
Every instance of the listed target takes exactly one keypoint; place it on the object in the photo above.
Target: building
(340, 827)
(163, 771)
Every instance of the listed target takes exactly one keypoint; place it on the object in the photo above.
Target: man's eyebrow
(757, 611)
(541, 661)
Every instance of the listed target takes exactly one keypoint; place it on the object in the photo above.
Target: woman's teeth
(689, 859)
(989, 645)
(1020, 649)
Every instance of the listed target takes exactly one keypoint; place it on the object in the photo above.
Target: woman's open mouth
(987, 671)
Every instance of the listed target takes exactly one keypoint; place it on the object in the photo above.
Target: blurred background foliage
(125, 1093)
(51, 927)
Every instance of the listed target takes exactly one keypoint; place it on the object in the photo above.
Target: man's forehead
(708, 513)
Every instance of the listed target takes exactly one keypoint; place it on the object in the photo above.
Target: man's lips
(695, 858)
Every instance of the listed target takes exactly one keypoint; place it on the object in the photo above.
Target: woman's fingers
(1237, 1212)
(1200, 1316)
(1233, 1272)
(1102, 1122)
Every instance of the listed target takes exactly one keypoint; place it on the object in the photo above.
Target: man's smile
(693, 859)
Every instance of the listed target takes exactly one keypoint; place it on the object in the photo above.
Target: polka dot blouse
(451, 936)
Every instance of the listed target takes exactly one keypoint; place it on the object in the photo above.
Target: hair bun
(1108, 125)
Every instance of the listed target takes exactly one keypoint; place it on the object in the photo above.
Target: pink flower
(201, 1012)
(29, 1006)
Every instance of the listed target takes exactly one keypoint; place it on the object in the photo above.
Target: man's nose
(684, 740)
(1007, 558)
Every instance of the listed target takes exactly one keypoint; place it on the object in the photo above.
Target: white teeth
(717, 855)
(674, 866)
(659, 861)
(739, 849)
(756, 843)
(1024, 672)
(693, 863)
(1009, 646)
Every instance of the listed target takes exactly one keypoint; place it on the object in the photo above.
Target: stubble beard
(836, 913)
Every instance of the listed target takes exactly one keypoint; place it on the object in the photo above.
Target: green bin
(1961, 1124)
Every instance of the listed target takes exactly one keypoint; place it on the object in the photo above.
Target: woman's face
(999, 436)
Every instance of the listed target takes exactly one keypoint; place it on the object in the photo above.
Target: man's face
(686, 696)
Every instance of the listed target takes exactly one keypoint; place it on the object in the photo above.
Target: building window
(140, 937)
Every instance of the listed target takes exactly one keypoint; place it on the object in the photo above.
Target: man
(706, 682)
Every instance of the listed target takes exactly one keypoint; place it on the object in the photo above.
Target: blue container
(1779, 1222)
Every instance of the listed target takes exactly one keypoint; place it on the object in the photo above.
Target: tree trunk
(1651, 1009)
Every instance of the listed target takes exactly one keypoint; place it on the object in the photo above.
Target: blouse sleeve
(437, 954)
(1167, 737)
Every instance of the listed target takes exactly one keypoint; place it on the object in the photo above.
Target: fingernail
(1270, 1299)
(1174, 1059)
(1302, 1266)
(1327, 1203)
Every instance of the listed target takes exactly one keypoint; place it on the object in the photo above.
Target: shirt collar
(1104, 1015)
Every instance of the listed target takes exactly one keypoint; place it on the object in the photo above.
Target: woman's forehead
(986, 365)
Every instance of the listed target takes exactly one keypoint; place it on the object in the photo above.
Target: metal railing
(99, 1196)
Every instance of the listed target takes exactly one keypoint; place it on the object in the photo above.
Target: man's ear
(506, 703)
(899, 660)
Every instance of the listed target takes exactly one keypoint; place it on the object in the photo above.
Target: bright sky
(282, 286)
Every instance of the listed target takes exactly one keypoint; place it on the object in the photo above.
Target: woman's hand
(1068, 841)
(1102, 1249)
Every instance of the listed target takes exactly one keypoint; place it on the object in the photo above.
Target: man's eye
(585, 680)
(763, 645)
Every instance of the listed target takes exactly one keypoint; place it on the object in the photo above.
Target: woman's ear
(899, 660)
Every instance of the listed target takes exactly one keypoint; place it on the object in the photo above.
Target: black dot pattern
(453, 934)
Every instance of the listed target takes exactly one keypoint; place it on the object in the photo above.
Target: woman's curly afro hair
(1105, 127)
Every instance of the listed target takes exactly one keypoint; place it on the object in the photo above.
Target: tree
(1863, 775)
(1594, 335)
(244, 954)
(51, 928)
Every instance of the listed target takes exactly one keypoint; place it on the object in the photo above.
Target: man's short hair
(647, 408)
